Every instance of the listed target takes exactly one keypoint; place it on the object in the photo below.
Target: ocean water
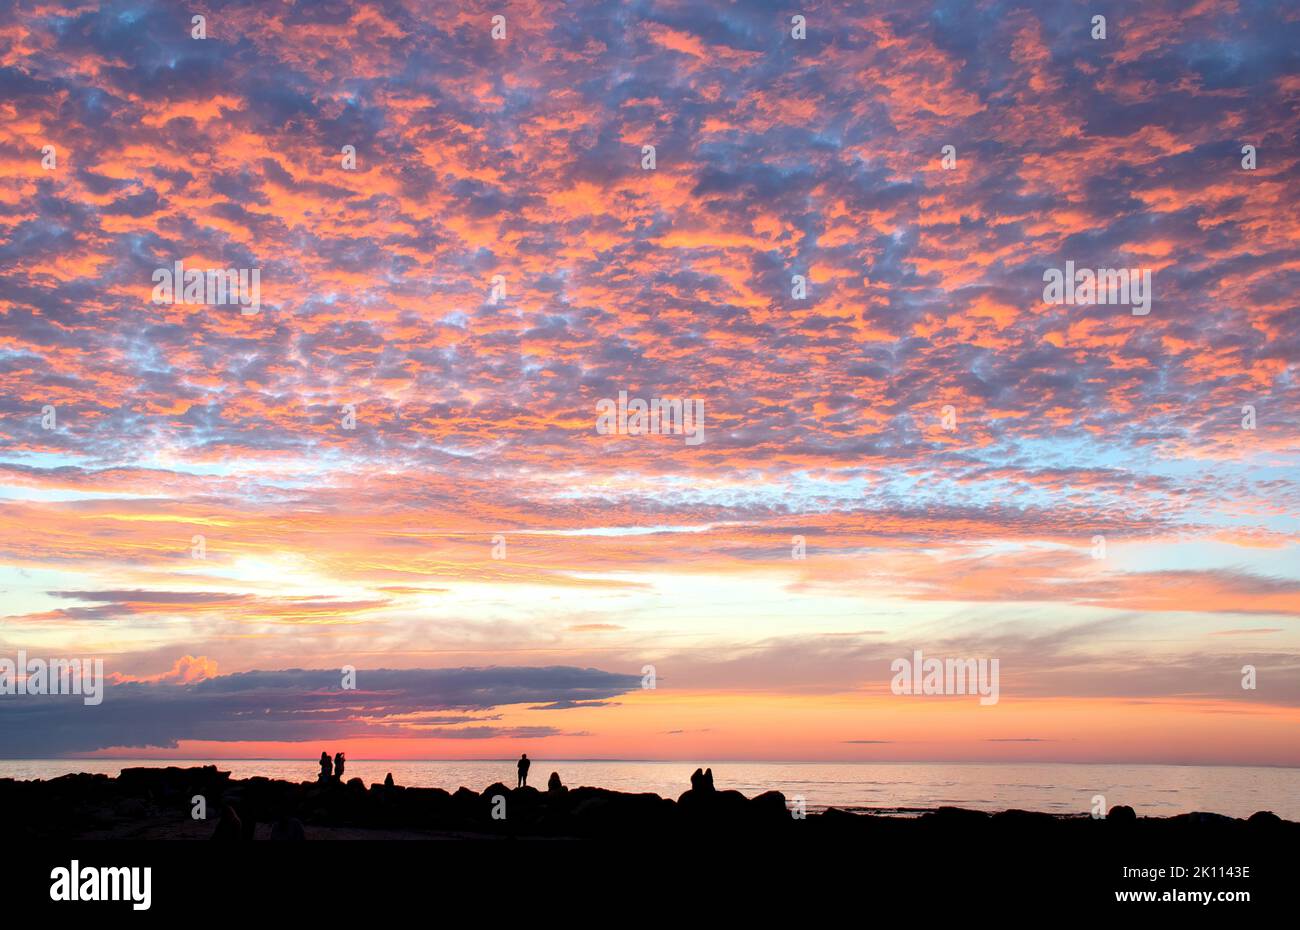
(1151, 790)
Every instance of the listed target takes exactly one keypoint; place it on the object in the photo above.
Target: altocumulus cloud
(294, 705)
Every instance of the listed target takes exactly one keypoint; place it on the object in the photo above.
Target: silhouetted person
(325, 765)
(338, 767)
(523, 770)
(702, 781)
(228, 827)
(555, 786)
(388, 780)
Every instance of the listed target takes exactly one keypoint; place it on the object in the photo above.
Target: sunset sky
(475, 415)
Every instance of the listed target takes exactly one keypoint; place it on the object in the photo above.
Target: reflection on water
(1155, 790)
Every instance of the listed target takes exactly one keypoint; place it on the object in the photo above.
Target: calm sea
(1152, 790)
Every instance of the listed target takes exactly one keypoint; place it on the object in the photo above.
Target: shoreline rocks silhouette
(158, 803)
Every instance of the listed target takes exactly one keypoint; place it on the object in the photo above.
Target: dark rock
(1204, 819)
(1121, 813)
(954, 815)
(598, 812)
(770, 805)
(229, 826)
(288, 828)
(159, 800)
(131, 808)
(1024, 820)
(836, 816)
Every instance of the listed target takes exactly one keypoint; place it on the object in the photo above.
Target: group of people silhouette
(339, 760)
(553, 785)
(325, 764)
(332, 771)
(702, 782)
(336, 775)
(286, 827)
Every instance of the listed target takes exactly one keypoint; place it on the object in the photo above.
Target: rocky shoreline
(166, 803)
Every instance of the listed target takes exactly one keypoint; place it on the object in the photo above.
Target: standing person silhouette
(338, 767)
(523, 770)
(325, 767)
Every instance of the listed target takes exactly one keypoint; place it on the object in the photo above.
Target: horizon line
(696, 760)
